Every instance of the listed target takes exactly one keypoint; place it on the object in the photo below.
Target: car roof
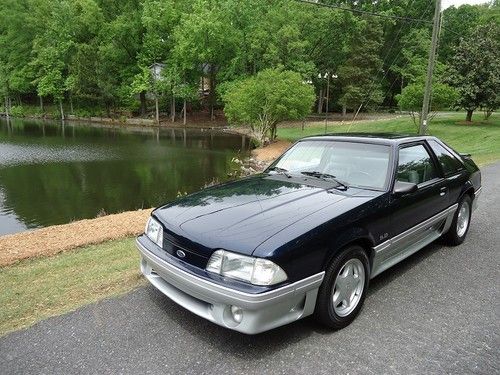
(379, 138)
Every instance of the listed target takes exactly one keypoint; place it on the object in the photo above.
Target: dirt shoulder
(269, 153)
(58, 238)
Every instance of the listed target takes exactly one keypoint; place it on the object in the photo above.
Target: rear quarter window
(449, 163)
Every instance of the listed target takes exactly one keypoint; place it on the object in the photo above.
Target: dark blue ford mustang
(307, 235)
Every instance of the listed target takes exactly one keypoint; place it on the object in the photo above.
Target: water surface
(54, 174)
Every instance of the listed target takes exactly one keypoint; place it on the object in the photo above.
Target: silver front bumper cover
(261, 312)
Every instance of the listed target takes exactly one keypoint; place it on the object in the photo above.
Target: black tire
(325, 312)
(453, 237)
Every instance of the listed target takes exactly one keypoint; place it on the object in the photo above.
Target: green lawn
(481, 138)
(35, 289)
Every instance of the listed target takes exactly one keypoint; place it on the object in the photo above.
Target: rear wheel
(343, 291)
(461, 221)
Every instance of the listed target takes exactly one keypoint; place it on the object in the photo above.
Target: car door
(410, 212)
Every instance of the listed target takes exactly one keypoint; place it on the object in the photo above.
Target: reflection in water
(51, 174)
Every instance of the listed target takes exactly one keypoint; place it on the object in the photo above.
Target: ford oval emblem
(181, 254)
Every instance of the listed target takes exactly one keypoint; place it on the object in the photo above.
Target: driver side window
(415, 165)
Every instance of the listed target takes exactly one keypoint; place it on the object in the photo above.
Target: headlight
(154, 231)
(256, 271)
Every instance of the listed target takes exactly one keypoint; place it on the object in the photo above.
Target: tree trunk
(142, 98)
(212, 93)
(71, 103)
(157, 112)
(320, 101)
(41, 103)
(7, 107)
(273, 133)
(61, 110)
(184, 113)
(344, 110)
(468, 118)
(172, 109)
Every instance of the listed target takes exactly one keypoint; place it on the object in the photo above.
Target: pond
(53, 174)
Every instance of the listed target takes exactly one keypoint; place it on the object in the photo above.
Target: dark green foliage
(360, 74)
(475, 69)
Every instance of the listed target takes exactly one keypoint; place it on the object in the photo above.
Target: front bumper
(261, 311)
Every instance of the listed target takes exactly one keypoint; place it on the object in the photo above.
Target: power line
(364, 12)
(396, 58)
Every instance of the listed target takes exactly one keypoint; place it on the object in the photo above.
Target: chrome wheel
(463, 219)
(348, 287)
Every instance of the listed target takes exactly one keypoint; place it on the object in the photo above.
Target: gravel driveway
(437, 312)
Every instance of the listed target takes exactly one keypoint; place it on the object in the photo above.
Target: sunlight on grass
(481, 138)
(35, 289)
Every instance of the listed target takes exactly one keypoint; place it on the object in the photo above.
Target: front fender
(348, 236)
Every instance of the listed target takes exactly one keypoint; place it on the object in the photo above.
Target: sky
(457, 3)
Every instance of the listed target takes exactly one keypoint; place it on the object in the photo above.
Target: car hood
(241, 215)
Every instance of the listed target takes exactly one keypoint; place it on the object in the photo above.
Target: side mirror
(402, 188)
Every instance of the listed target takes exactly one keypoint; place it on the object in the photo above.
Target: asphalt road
(437, 312)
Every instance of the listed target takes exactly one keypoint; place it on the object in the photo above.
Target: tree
(63, 27)
(361, 84)
(206, 39)
(414, 57)
(16, 41)
(412, 98)
(413, 68)
(457, 23)
(266, 99)
(119, 44)
(475, 69)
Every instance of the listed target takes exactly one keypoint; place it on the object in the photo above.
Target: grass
(480, 138)
(35, 289)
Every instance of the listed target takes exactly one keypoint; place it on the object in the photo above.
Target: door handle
(443, 191)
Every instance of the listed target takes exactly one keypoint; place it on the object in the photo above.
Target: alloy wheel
(348, 287)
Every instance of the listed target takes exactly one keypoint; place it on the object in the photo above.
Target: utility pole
(430, 69)
(327, 97)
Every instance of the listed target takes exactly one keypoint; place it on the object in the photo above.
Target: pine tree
(360, 75)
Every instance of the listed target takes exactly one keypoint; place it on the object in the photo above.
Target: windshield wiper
(281, 171)
(326, 176)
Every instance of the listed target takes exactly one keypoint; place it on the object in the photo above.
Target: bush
(17, 111)
(79, 112)
(412, 98)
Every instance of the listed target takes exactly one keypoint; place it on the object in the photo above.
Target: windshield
(352, 163)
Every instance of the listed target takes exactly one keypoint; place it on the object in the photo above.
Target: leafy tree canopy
(266, 99)
(411, 99)
(475, 69)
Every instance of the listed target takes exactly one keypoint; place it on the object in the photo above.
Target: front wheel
(461, 221)
(344, 288)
